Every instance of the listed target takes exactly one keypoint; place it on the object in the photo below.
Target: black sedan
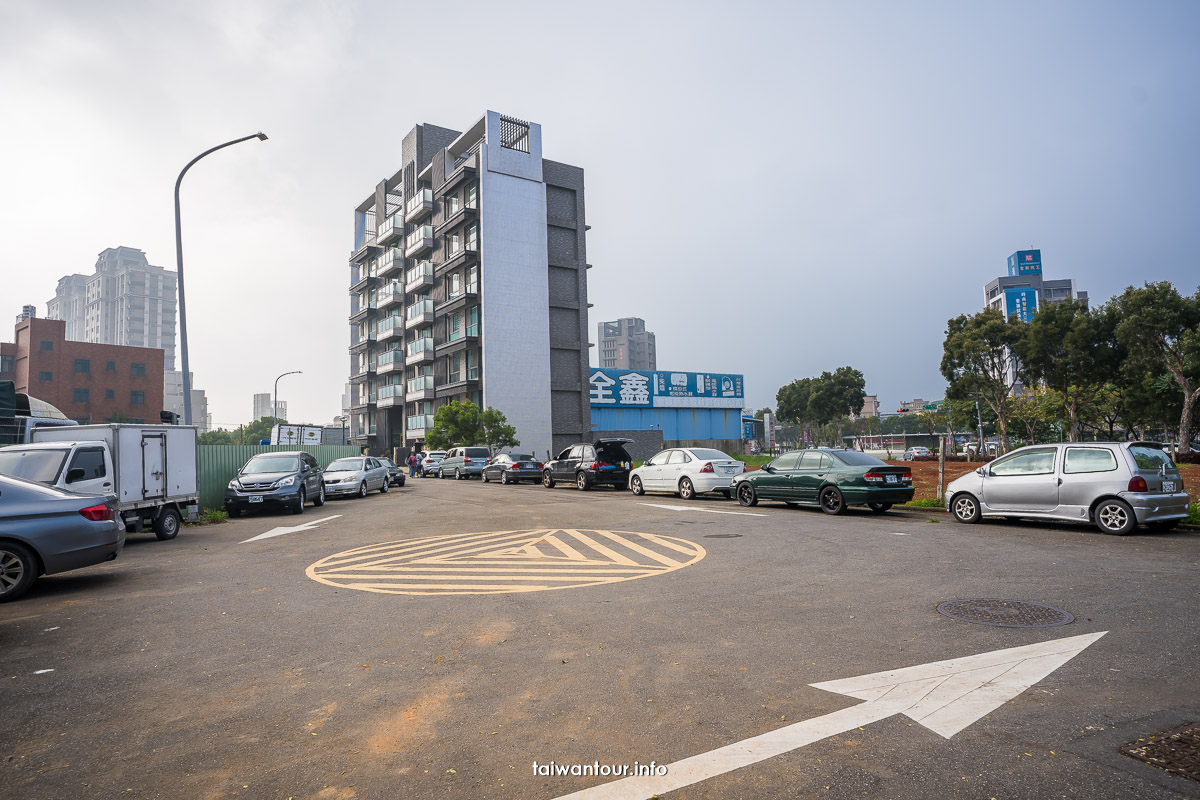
(512, 468)
(44, 530)
(395, 472)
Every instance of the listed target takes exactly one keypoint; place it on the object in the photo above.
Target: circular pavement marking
(503, 562)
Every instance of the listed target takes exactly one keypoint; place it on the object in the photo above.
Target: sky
(778, 189)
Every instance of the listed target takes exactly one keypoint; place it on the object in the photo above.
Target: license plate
(890, 479)
(1168, 486)
(254, 498)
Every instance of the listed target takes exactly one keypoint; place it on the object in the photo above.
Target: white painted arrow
(945, 696)
(308, 526)
(705, 510)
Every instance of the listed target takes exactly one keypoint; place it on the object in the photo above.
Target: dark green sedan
(829, 478)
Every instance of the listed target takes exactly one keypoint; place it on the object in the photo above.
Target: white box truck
(151, 470)
(298, 435)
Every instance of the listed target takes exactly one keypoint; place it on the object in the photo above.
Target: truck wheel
(301, 499)
(166, 524)
(18, 570)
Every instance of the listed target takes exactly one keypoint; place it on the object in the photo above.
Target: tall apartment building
(126, 301)
(468, 281)
(263, 407)
(626, 344)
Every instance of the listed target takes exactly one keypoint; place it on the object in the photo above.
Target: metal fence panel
(219, 464)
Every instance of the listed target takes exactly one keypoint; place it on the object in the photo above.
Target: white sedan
(686, 471)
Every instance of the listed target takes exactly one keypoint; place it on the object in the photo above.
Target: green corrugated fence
(219, 464)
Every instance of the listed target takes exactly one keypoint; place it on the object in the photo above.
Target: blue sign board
(632, 388)
(1025, 262)
(1021, 303)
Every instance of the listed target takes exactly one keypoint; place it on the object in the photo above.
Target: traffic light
(901, 410)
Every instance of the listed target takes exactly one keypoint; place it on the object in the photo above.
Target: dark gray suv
(278, 480)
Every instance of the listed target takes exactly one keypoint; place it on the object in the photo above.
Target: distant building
(870, 408)
(264, 407)
(1023, 290)
(26, 313)
(87, 382)
(200, 416)
(626, 344)
(916, 404)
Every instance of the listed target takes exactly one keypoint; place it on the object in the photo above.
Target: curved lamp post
(275, 400)
(187, 380)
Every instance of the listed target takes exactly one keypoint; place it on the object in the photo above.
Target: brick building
(87, 382)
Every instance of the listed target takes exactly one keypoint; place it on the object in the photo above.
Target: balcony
(390, 395)
(419, 205)
(365, 373)
(390, 361)
(420, 388)
(389, 328)
(419, 351)
(456, 217)
(460, 174)
(418, 314)
(419, 277)
(365, 248)
(458, 299)
(459, 382)
(362, 402)
(416, 426)
(391, 229)
(418, 242)
(390, 294)
(467, 254)
(362, 312)
(362, 279)
(459, 340)
(389, 260)
(360, 343)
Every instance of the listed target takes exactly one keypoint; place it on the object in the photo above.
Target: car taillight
(873, 477)
(98, 513)
(1138, 484)
(466, 459)
(707, 468)
(907, 477)
(541, 465)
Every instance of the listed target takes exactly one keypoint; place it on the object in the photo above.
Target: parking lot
(438, 640)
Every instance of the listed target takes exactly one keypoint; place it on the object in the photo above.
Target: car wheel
(362, 489)
(581, 480)
(166, 524)
(1163, 525)
(484, 477)
(18, 570)
(547, 479)
(457, 474)
(387, 485)
(687, 491)
(635, 486)
(503, 478)
(301, 499)
(319, 500)
(832, 501)
(746, 494)
(1115, 516)
(965, 508)
(879, 508)
(441, 474)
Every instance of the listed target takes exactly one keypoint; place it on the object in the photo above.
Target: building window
(80, 396)
(110, 366)
(45, 376)
(137, 370)
(83, 365)
(453, 244)
(137, 398)
(471, 194)
(473, 236)
(109, 394)
(47, 345)
(6, 363)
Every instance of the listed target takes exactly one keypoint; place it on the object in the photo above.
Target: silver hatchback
(1116, 485)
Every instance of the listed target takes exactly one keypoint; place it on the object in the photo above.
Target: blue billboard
(640, 388)
(1021, 303)
(1025, 262)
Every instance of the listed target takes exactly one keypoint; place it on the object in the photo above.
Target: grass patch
(1193, 517)
(213, 516)
(755, 461)
(933, 519)
(924, 502)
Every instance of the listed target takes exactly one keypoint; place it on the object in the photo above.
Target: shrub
(1193, 517)
(213, 516)
(924, 502)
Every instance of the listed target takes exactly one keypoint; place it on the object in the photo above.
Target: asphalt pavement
(439, 640)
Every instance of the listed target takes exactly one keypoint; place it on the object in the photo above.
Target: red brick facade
(78, 377)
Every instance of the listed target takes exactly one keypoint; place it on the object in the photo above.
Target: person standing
(412, 464)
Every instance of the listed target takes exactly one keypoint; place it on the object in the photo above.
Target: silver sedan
(356, 476)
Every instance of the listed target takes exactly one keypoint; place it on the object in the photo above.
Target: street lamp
(187, 380)
(275, 400)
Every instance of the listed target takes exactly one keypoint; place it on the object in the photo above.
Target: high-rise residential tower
(625, 343)
(468, 280)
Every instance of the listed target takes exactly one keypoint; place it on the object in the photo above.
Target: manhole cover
(1177, 751)
(723, 536)
(1005, 613)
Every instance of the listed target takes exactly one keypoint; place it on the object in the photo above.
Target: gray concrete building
(626, 344)
(468, 280)
(264, 407)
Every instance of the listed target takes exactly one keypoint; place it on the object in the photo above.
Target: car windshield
(857, 459)
(387, 462)
(710, 455)
(1145, 457)
(262, 464)
(345, 465)
(32, 465)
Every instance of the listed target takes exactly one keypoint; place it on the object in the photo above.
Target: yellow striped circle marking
(503, 562)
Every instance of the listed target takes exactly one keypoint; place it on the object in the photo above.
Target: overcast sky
(777, 188)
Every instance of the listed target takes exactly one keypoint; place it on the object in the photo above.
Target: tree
(1160, 329)
(978, 361)
(1036, 410)
(260, 429)
(791, 401)
(1073, 351)
(759, 414)
(496, 433)
(456, 423)
(218, 436)
(836, 395)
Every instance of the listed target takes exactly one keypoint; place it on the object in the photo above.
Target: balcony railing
(417, 309)
(421, 422)
(472, 374)
(392, 292)
(420, 384)
(418, 205)
(418, 275)
(387, 325)
(392, 226)
(419, 346)
(390, 357)
(470, 330)
(360, 431)
(419, 240)
(390, 391)
(388, 260)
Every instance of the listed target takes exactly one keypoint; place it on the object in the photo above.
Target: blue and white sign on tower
(660, 389)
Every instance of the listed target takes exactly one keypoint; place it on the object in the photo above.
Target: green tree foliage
(1160, 330)
(759, 414)
(791, 401)
(260, 429)
(217, 437)
(455, 424)
(978, 359)
(1073, 351)
(836, 395)
(496, 433)
(1036, 411)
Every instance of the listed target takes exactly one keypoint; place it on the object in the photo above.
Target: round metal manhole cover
(1005, 613)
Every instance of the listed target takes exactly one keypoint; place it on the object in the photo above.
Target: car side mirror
(982, 471)
(769, 468)
(75, 474)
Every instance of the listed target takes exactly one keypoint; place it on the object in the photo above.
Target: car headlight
(233, 484)
(288, 481)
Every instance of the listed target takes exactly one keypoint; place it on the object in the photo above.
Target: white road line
(281, 531)
(42, 671)
(895, 533)
(705, 510)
